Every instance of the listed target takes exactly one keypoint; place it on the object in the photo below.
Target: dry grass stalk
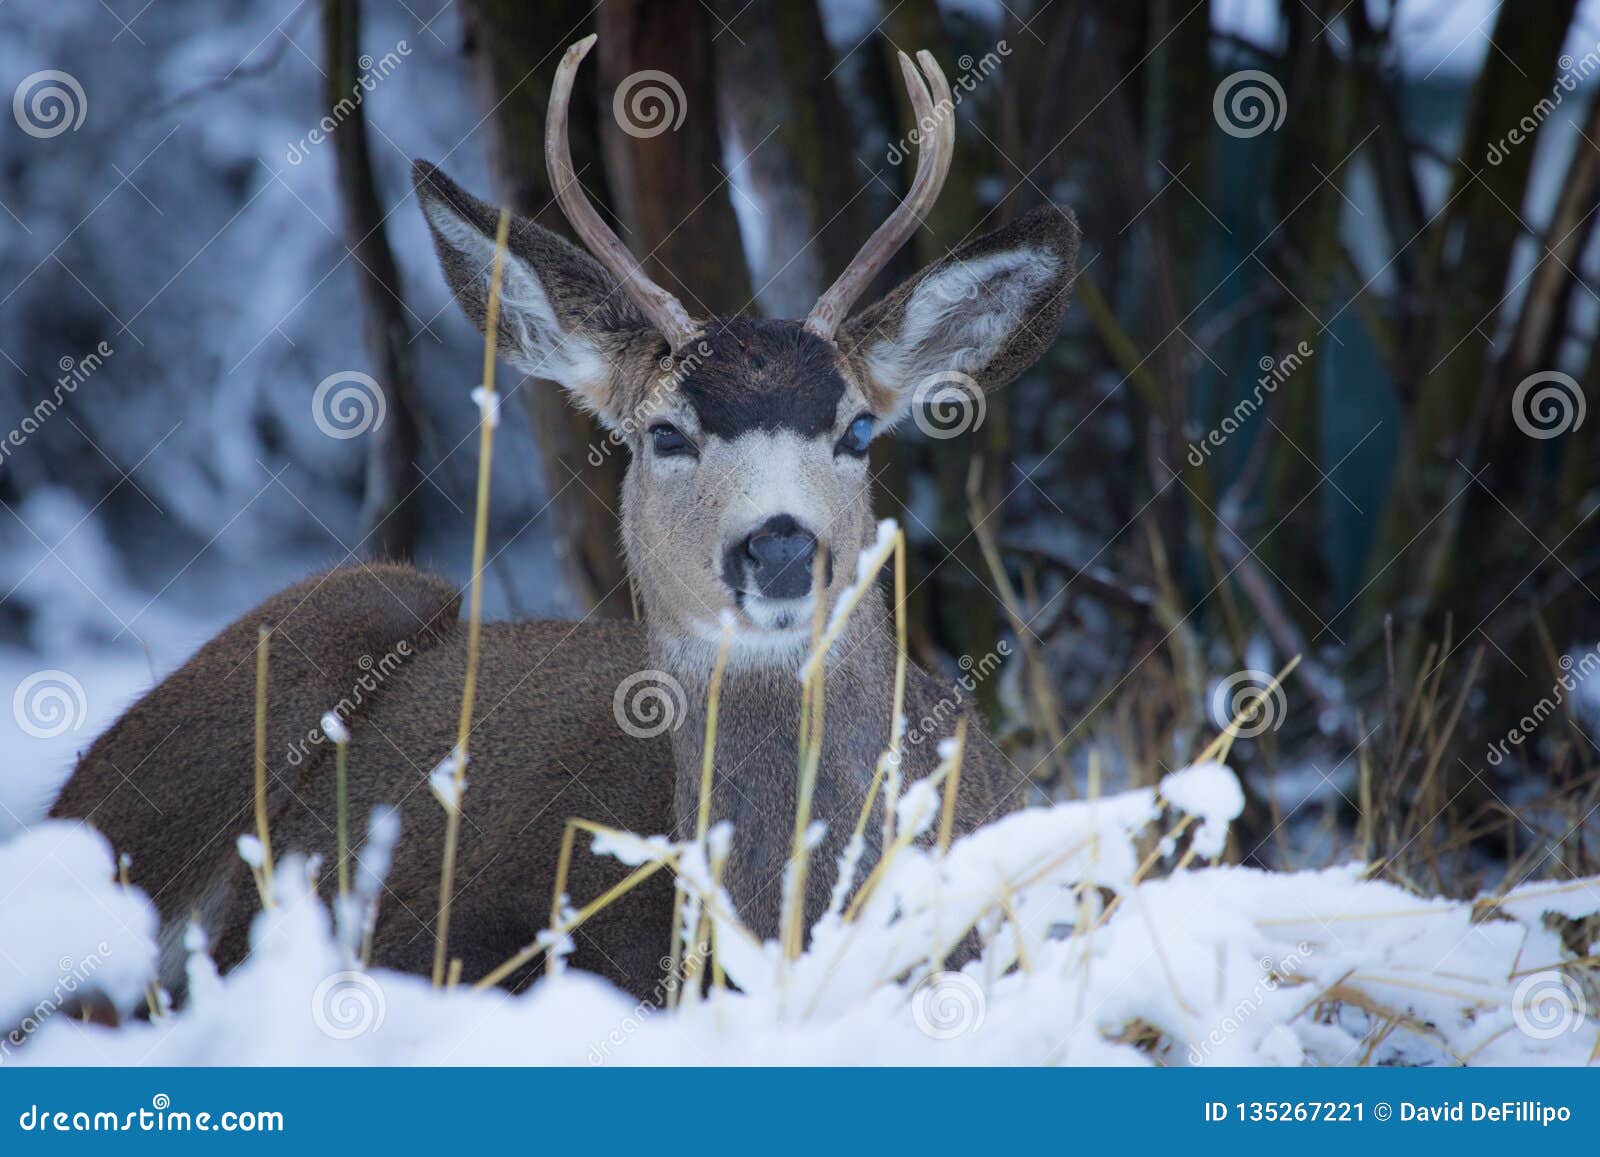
(152, 992)
(825, 632)
(1036, 674)
(901, 842)
(341, 767)
(1217, 750)
(947, 812)
(703, 813)
(561, 925)
(559, 891)
(480, 535)
(263, 833)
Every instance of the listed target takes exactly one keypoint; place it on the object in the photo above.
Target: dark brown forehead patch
(764, 375)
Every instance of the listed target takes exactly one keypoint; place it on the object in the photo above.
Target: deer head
(748, 437)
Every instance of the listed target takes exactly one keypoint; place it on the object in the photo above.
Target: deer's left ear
(989, 311)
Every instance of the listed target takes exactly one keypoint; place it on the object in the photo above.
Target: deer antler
(933, 166)
(663, 310)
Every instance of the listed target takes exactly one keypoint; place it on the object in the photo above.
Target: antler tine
(663, 310)
(942, 98)
(930, 99)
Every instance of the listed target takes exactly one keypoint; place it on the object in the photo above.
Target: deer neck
(756, 755)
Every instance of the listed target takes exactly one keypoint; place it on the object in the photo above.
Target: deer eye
(854, 442)
(669, 442)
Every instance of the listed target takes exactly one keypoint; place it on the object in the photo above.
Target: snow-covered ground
(1106, 941)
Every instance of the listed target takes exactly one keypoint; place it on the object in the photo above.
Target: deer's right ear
(562, 316)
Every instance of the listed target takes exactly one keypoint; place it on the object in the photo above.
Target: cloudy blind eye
(856, 438)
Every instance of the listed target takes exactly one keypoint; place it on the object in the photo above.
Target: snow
(488, 403)
(1210, 792)
(448, 779)
(66, 928)
(1088, 953)
(333, 727)
(251, 852)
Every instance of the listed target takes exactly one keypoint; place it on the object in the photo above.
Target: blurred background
(1322, 392)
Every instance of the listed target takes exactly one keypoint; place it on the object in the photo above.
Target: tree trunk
(1307, 256)
(658, 126)
(963, 612)
(388, 510)
(1468, 257)
(788, 127)
(513, 56)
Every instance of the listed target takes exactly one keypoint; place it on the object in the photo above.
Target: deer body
(389, 640)
(746, 500)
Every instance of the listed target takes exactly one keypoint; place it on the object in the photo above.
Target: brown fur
(544, 747)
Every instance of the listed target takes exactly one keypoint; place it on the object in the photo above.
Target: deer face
(748, 475)
(748, 487)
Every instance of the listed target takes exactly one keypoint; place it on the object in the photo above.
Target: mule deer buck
(748, 443)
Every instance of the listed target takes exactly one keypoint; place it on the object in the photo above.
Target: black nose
(780, 555)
